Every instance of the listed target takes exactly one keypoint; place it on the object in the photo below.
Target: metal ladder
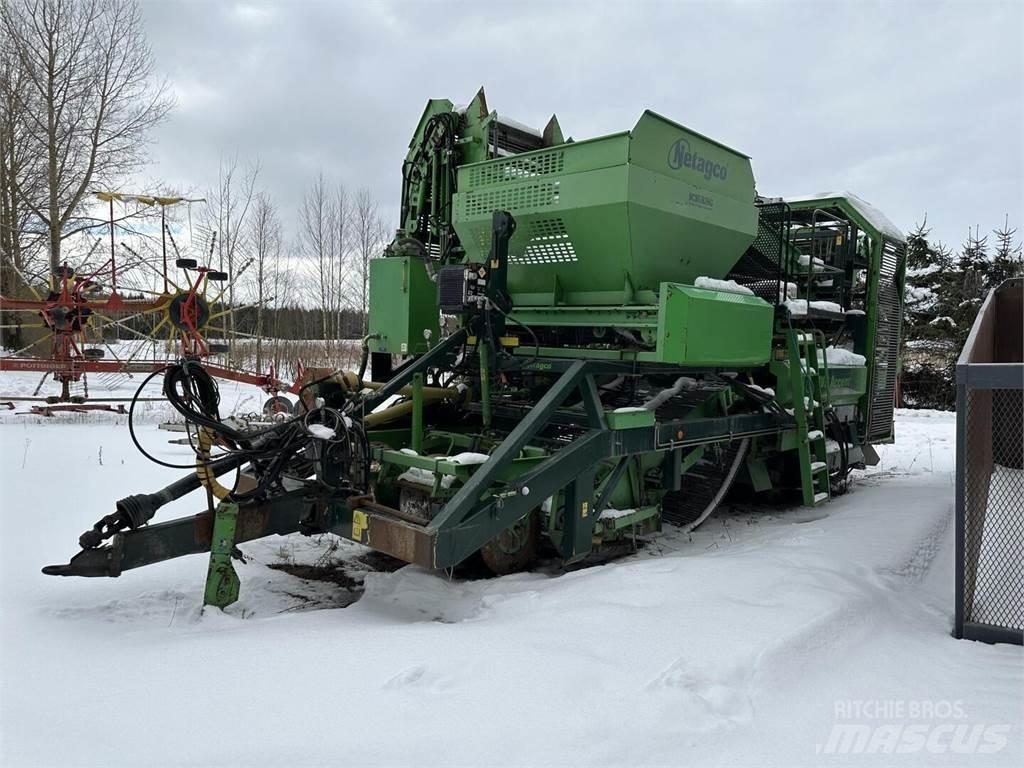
(809, 397)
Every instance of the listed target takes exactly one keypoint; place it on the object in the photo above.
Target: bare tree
(341, 217)
(264, 243)
(368, 234)
(323, 243)
(225, 217)
(85, 98)
(282, 280)
(19, 170)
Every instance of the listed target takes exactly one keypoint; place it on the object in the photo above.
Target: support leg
(221, 580)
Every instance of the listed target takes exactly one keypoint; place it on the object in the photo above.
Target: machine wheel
(217, 277)
(218, 349)
(93, 353)
(277, 406)
(186, 263)
(515, 549)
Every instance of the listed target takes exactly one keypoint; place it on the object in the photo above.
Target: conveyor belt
(704, 486)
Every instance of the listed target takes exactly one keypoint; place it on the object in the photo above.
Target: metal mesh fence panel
(993, 524)
(990, 472)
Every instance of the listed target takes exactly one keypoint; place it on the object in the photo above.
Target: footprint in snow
(406, 677)
(707, 702)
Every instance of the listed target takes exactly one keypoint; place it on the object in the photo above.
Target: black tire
(513, 550)
(276, 406)
(216, 276)
(218, 349)
(93, 353)
(186, 263)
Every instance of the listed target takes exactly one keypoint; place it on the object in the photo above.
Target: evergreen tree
(943, 295)
(924, 276)
(1007, 259)
(928, 328)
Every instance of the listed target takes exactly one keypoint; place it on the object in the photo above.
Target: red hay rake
(182, 316)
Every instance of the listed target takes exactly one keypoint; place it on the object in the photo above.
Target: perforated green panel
(607, 220)
(527, 166)
(511, 198)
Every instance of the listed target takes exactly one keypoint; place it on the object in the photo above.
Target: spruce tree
(928, 330)
(1006, 261)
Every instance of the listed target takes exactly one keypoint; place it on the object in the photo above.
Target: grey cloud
(915, 106)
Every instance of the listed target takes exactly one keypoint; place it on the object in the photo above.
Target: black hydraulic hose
(364, 357)
(131, 424)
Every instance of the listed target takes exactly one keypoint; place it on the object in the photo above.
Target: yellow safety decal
(509, 341)
(360, 522)
(585, 509)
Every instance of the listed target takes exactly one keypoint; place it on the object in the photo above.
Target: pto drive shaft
(138, 509)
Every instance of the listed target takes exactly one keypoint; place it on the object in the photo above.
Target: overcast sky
(915, 106)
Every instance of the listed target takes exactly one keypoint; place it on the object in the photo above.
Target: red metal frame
(66, 313)
(67, 310)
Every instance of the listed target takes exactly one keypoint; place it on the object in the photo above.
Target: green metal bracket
(579, 517)
(221, 580)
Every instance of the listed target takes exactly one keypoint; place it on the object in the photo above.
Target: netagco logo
(681, 156)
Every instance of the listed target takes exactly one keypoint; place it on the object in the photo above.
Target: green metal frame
(607, 234)
(879, 239)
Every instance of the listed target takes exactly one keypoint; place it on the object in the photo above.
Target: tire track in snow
(875, 595)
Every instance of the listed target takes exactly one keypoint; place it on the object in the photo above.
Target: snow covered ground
(784, 637)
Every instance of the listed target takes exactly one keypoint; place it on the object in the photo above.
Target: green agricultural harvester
(572, 344)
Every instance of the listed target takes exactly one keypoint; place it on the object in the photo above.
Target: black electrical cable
(198, 385)
(524, 326)
(131, 425)
(839, 432)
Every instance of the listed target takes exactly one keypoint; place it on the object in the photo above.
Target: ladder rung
(820, 497)
(815, 434)
(818, 466)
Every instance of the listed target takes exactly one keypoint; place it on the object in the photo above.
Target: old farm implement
(572, 344)
(167, 310)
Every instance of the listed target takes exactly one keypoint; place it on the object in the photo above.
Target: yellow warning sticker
(585, 509)
(360, 522)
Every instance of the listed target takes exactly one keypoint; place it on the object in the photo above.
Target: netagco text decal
(681, 156)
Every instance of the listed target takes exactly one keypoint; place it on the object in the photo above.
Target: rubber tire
(218, 349)
(501, 563)
(93, 353)
(186, 263)
(216, 276)
(277, 405)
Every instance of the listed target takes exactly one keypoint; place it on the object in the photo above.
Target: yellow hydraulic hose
(206, 476)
